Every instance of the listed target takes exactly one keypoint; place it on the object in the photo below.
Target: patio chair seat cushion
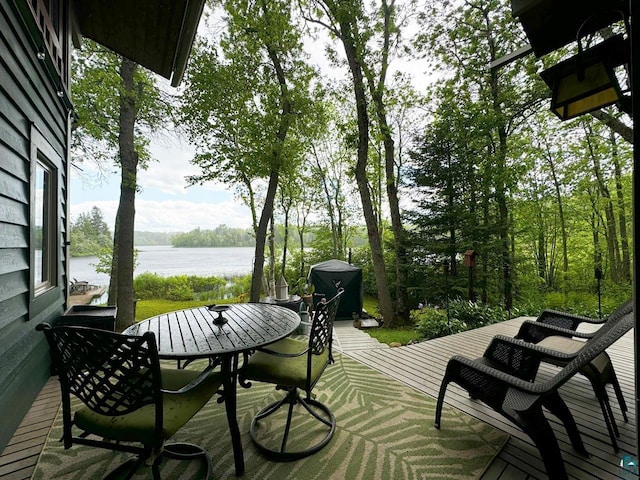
(139, 426)
(561, 344)
(285, 371)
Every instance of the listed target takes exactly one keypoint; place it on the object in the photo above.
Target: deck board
(422, 366)
(20, 456)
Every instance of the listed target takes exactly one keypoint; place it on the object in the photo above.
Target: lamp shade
(574, 96)
(587, 81)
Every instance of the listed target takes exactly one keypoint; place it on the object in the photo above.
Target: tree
(118, 106)
(464, 38)
(386, 23)
(247, 106)
(89, 234)
(344, 20)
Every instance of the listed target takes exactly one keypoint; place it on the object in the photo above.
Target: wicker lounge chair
(559, 332)
(501, 380)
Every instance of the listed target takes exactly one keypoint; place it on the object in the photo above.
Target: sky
(165, 203)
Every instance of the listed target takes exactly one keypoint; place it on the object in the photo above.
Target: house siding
(28, 102)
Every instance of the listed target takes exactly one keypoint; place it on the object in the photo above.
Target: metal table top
(192, 333)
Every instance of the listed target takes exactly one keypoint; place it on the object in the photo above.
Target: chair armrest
(487, 379)
(281, 354)
(286, 348)
(519, 358)
(204, 375)
(565, 320)
(535, 332)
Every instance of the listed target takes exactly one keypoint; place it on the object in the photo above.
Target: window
(44, 223)
(43, 229)
(50, 22)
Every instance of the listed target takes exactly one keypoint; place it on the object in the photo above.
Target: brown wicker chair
(501, 380)
(129, 403)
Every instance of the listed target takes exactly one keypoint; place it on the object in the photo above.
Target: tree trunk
(377, 94)
(501, 190)
(563, 225)
(126, 207)
(612, 234)
(286, 206)
(373, 233)
(616, 125)
(276, 162)
(625, 267)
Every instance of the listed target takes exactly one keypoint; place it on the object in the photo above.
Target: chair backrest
(321, 335)
(112, 374)
(564, 320)
(608, 334)
(614, 318)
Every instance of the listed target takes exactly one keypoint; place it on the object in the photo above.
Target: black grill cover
(327, 277)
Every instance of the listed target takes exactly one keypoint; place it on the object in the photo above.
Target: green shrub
(206, 284)
(149, 285)
(433, 323)
(474, 314)
(178, 289)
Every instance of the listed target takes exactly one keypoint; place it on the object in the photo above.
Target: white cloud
(181, 215)
(174, 215)
(168, 169)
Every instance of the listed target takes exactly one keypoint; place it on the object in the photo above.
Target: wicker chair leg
(609, 421)
(618, 391)
(535, 424)
(443, 390)
(557, 407)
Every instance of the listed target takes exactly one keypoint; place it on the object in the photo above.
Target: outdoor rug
(384, 431)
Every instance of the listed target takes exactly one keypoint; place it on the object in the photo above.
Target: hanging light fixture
(587, 81)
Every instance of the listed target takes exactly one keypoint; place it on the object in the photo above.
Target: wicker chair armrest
(519, 358)
(565, 320)
(499, 379)
(534, 332)
(533, 350)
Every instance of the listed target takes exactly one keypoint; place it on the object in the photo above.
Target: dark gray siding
(28, 101)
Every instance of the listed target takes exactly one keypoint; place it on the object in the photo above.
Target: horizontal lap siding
(27, 98)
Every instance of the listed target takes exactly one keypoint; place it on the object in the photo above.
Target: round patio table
(204, 333)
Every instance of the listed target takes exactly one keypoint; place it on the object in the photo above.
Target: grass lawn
(151, 308)
(401, 335)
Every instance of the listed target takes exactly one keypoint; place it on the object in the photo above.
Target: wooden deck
(19, 458)
(422, 366)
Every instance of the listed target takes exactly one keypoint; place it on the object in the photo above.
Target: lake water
(167, 261)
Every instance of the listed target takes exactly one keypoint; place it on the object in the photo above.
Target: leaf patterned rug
(384, 431)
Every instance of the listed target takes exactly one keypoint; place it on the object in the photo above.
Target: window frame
(47, 290)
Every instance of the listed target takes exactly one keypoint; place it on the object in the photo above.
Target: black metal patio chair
(295, 365)
(501, 380)
(128, 403)
(568, 340)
